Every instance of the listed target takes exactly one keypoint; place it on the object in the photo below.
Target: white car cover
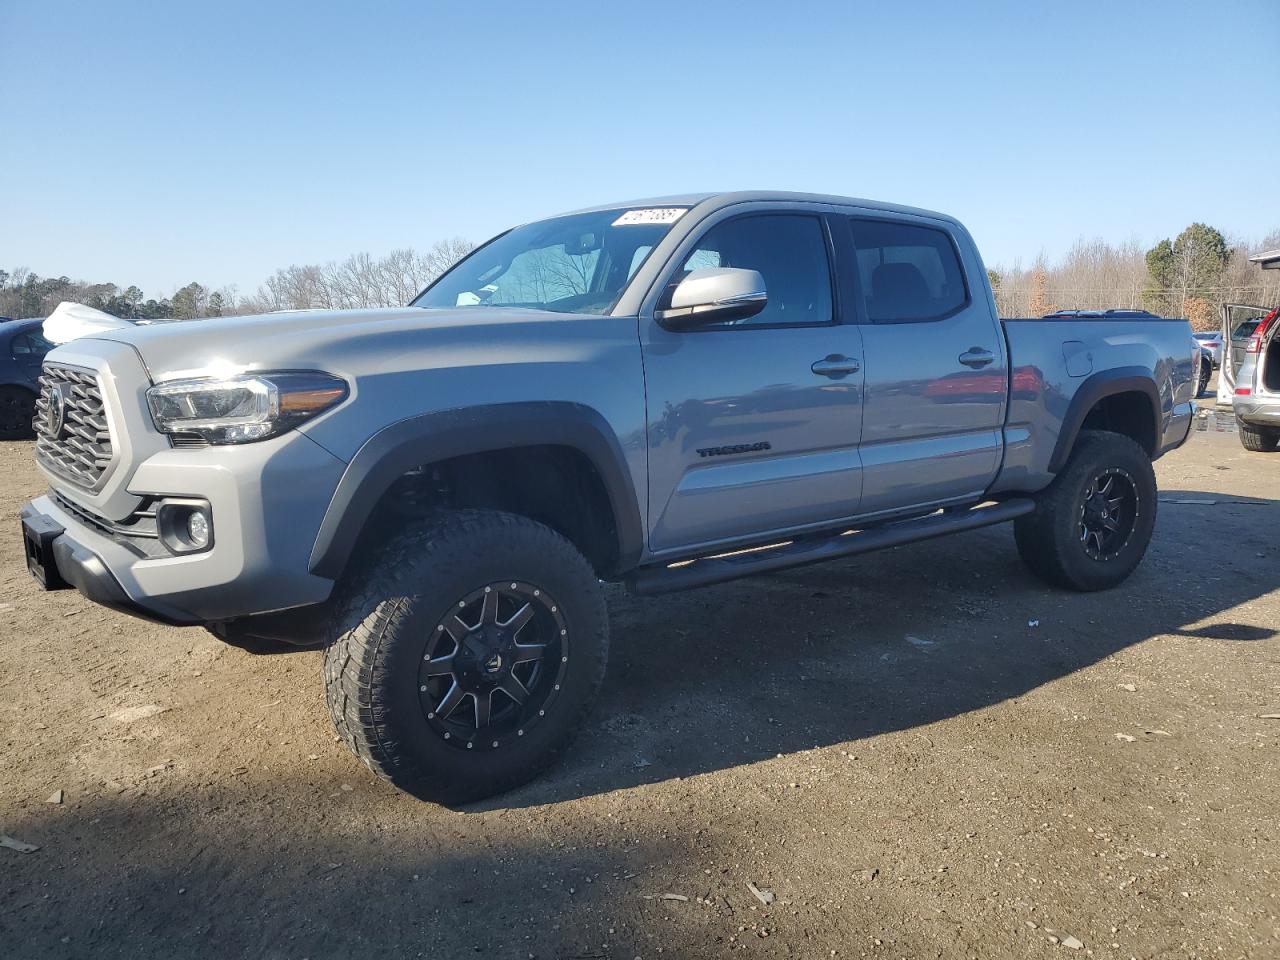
(71, 320)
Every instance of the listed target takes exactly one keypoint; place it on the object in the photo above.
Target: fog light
(185, 526)
(198, 530)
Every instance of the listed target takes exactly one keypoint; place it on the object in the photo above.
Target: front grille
(77, 444)
(138, 531)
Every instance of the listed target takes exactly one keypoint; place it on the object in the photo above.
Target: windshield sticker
(650, 215)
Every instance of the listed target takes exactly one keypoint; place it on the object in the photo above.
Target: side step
(744, 563)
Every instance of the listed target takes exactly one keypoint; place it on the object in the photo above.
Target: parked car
(665, 393)
(1212, 342)
(22, 350)
(1255, 390)
(1249, 381)
(1204, 367)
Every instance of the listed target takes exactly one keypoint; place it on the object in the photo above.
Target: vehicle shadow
(208, 873)
(712, 679)
(838, 653)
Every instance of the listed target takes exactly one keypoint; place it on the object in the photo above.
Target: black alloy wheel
(1092, 524)
(1108, 513)
(493, 665)
(464, 653)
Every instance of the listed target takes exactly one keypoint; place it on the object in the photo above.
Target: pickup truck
(666, 393)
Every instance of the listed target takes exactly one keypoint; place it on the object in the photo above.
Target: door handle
(836, 366)
(976, 357)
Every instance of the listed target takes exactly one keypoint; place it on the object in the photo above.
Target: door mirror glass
(714, 295)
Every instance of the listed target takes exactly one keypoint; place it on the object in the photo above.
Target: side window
(30, 344)
(908, 273)
(789, 250)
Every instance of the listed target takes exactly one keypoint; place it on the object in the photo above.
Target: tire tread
(368, 610)
(1046, 551)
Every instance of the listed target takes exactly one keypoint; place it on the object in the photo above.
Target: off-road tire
(393, 603)
(1049, 539)
(17, 408)
(1258, 439)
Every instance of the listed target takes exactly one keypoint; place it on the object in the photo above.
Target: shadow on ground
(828, 654)
(699, 682)
(203, 883)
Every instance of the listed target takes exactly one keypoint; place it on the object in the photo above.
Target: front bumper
(67, 563)
(266, 500)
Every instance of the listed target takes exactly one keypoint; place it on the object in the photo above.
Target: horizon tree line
(1190, 275)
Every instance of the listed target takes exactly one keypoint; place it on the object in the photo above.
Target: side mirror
(714, 295)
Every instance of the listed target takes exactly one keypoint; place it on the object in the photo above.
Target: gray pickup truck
(667, 393)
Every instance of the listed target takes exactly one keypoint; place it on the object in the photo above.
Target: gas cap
(1078, 357)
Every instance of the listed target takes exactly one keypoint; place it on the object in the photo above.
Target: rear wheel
(1206, 370)
(467, 655)
(1258, 439)
(17, 408)
(1091, 526)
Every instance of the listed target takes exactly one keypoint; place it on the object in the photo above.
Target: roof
(1270, 260)
(8, 326)
(716, 200)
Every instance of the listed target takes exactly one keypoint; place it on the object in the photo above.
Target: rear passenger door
(935, 364)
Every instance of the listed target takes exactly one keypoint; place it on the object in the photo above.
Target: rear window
(1245, 330)
(908, 273)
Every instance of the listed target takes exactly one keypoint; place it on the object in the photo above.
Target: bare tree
(359, 281)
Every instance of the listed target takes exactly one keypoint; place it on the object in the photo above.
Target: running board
(815, 549)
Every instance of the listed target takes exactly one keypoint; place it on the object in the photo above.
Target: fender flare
(409, 443)
(1104, 384)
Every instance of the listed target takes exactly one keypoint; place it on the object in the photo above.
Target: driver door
(753, 428)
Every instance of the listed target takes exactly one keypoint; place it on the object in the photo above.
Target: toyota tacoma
(668, 393)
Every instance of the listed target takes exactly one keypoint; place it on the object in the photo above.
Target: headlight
(245, 408)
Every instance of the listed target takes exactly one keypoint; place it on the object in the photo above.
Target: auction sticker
(650, 215)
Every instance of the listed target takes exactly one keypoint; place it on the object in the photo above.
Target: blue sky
(159, 143)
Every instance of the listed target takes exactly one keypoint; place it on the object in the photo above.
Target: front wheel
(467, 655)
(1091, 526)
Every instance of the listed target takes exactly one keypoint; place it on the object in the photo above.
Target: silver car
(1250, 377)
(1211, 343)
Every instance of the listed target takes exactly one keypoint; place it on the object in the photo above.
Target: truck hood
(335, 340)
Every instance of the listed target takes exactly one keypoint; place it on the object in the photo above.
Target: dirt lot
(922, 753)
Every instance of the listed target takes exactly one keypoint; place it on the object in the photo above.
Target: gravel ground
(920, 753)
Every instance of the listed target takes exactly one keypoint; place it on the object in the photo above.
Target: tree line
(1190, 275)
(24, 294)
(360, 280)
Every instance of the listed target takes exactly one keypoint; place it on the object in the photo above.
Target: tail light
(1255, 342)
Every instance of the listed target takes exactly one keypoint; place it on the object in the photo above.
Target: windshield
(575, 264)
